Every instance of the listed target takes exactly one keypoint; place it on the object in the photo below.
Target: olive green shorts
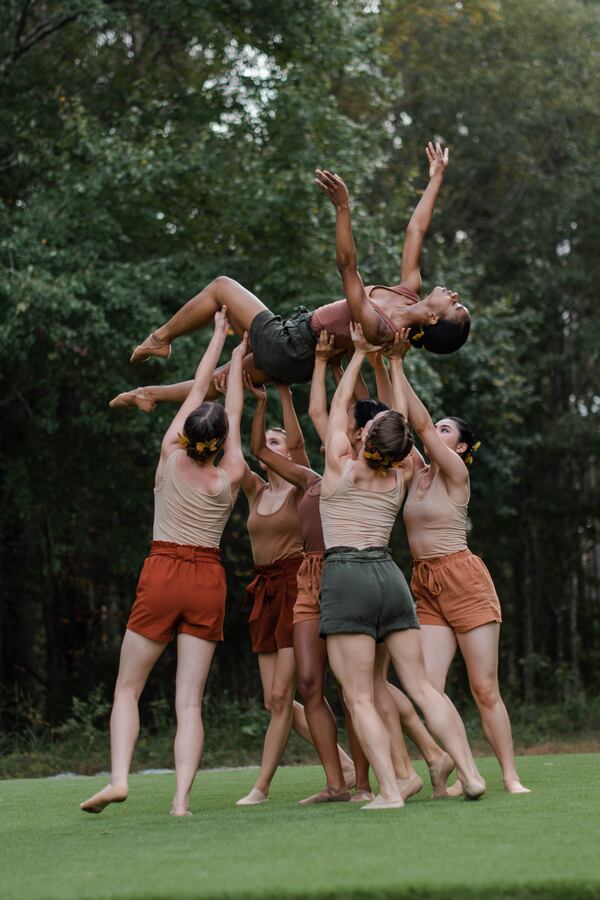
(285, 348)
(364, 592)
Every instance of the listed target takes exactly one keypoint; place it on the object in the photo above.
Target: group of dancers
(325, 591)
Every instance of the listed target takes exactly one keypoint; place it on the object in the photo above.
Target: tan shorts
(307, 606)
(456, 591)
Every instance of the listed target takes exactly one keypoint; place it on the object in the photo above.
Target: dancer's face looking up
(453, 436)
(276, 441)
(443, 303)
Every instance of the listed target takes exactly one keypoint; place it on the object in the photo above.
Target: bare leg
(479, 648)
(242, 307)
(146, 398)
(361, 763)
(386, 708)
(281, 705)
(441, 718)
(138, 657)
(311, 657)
(352, 657)
(194, 657)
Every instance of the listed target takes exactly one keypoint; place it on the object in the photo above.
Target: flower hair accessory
(183, 441)
(212, 445)
(469, 456)
(417, 337)
(382, 463)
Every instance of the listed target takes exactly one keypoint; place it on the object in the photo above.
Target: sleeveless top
(310, 518)
(184, 514)
(274, 535)
(435, 524)
(358, 517)
(336, 317)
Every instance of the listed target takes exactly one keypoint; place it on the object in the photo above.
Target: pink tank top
(275, 535)
(310, 519)
(335, 317)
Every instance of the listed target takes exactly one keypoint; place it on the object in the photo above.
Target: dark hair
(206, 425)
(446, 336)
(365, 410)
(389, 441)
(465, 434)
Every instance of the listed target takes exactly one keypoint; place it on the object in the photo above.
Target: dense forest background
(146, 147)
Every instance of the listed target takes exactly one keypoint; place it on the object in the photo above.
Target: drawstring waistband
(185, 552)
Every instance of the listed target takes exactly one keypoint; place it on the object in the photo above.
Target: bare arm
(298, 475)
(233, 458)
(345, 252)
(293, 433)
(382, 379)
(202, 381)
(421, 217)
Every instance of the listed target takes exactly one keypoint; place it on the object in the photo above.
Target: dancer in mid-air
(182, 588)
(457, 603)
(284, 350)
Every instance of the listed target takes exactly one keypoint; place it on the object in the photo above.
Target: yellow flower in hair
(475, 447)
(468, 459)
(418, 335)
(183, 441)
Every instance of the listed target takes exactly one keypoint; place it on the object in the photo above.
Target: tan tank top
(435, 524)
(275, 535)
(184, 514)
(336, 317)
(357, 517)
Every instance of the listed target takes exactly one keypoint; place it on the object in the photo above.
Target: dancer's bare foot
(455, 790)
(137, 397)
(408, 787)
(253, 798)
(514, 786)
(180, 813)
(362, 796)
(439, 775)
(150, 347)
(107, 795)
(349, 772)
(474, 789)
(328, 795)
(381, 803)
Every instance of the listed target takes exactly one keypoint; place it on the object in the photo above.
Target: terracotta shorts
(273, 592)
(307, 606)
(456, 591)
(181, 589)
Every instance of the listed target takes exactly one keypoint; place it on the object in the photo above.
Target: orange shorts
(456, 591)
(307, 606)
(181, 589)
(273, 592)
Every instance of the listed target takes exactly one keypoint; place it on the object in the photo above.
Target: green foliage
(145, 149)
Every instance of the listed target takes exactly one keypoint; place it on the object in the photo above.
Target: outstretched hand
(401, 345)
(360, 342)
(437, 159)
(221, 321)
(242, 347)
(257, 390)
(325, 346)
(334, 187)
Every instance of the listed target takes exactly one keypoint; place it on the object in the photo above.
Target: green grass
(543, 845)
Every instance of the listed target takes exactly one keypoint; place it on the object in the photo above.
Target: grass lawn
(542, 845)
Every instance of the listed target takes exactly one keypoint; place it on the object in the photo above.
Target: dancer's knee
(485, 692)
(310, 689)
(127, 691)
(221, 284)
(281, 701)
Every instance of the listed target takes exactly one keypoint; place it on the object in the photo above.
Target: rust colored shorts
(181, 589)
(307, 606)
(456, 591)
(273, 592)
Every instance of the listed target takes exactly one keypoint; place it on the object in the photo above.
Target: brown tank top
(435, 524)
(310, 518)
(274, 535)
(336, 317)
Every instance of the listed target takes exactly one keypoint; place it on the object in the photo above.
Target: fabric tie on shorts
(264, 585)
(426, 574)
(185, 552)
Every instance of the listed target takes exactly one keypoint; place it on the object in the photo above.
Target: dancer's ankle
(161, 335)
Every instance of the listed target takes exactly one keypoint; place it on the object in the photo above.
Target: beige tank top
(184, 514)
(435, 524)
(275, 535)
(357, 517)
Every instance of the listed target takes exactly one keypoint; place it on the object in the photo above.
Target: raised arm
(293, 433)
(382, 379)
(233, 458)
(298, 475)
(345, 253)
(317, 405)
(421, 217)
(202, 380)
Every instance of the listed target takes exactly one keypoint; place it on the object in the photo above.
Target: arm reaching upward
(382, 379)
(293, 433)
(317, 406)
(202, 381)
(233, 458)
(421, 218)
(345, 253)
